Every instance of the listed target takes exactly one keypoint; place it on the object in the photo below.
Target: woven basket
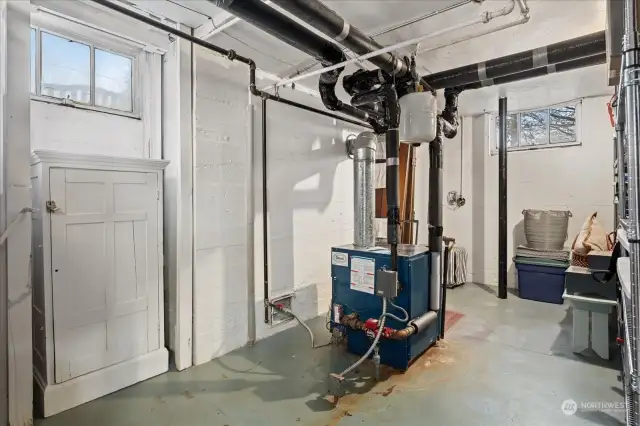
(582, 260)
(546, 229)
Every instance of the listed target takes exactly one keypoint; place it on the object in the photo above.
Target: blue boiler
(353, 292)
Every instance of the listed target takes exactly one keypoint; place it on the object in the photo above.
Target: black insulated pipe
(502, 200)
(587, 61)
(330, 23)
(435, 192)
(287, 30)
(265, 212)
(450, 112)
(229, 54)
(393, 173)
(580, 47)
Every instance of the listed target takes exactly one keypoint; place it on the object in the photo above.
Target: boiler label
(363, 272)
(339, 259)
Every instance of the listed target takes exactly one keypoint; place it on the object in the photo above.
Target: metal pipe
(397, 27)
(580, 47)
(265, 212)
(250, 200)
(424, 321)
(364, 195)
(229, 54)
(393, 167)
(435, 216)
(378, 52)
(631, 86)
(423, 17)
(502, 200)
(620, 148)
(330, 23)
(587, 61)
(524, 19)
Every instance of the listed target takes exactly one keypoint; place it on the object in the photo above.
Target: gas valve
(372, 325)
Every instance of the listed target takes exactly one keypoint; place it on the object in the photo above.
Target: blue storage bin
(540, 282)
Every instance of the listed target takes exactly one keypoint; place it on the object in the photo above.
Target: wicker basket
(546, 229)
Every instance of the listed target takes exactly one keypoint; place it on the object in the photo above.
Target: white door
(104, 240)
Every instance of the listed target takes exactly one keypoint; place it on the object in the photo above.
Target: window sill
(61, 102)
(539, 147)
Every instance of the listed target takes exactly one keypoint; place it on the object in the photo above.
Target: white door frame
(15, 196)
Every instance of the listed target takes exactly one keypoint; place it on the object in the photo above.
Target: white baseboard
(53, 399)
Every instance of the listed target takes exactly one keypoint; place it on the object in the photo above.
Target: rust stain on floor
(438, 365)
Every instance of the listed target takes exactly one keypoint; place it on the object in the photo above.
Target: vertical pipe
(251, 283)
(393, 163)
(443, 308)
(435, 216)
(502, 200)
(622, 195)
(631, 86)
(265, 211)
(364, 195)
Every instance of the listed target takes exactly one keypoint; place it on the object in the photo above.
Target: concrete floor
(504, 363)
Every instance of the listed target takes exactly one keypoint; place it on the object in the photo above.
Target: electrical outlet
(278, 317)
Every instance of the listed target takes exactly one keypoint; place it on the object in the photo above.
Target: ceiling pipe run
(576, 48)
(396, 27)
(286, 29)
(599, 59)
(330, 23)
(482, 19)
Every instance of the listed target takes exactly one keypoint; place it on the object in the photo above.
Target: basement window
(77, 73)
(541, 128)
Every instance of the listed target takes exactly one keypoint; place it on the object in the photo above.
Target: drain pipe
(411, 42)
(393, 163)
(289, 31)
(502, 200)
(587, 61)
(330, 23)
(435, 215)
(576, 48)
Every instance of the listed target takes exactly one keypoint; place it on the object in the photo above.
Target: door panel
(104, 260)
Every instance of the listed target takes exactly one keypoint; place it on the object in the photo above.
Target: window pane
(512, 131)
(562, 124)
(66, 68)
(533, 128)
(113, 81)
(33, 60)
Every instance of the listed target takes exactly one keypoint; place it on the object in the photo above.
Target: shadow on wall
(518, 239)
(310, 203)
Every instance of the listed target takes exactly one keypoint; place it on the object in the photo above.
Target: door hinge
(158, 195)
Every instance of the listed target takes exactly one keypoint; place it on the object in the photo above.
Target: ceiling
(551, 21)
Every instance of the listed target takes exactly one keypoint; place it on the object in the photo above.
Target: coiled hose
(364, 357)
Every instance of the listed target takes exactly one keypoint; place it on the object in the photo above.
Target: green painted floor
(506, 362)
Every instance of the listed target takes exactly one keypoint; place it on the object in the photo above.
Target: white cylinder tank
(418, 117)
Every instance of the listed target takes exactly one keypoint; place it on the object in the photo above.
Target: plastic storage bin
(541, 282)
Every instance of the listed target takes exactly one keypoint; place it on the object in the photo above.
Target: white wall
(543, 179)
(577, 178)
(68, 129)
(309, 200)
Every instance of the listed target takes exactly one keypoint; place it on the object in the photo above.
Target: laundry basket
(546, 229)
